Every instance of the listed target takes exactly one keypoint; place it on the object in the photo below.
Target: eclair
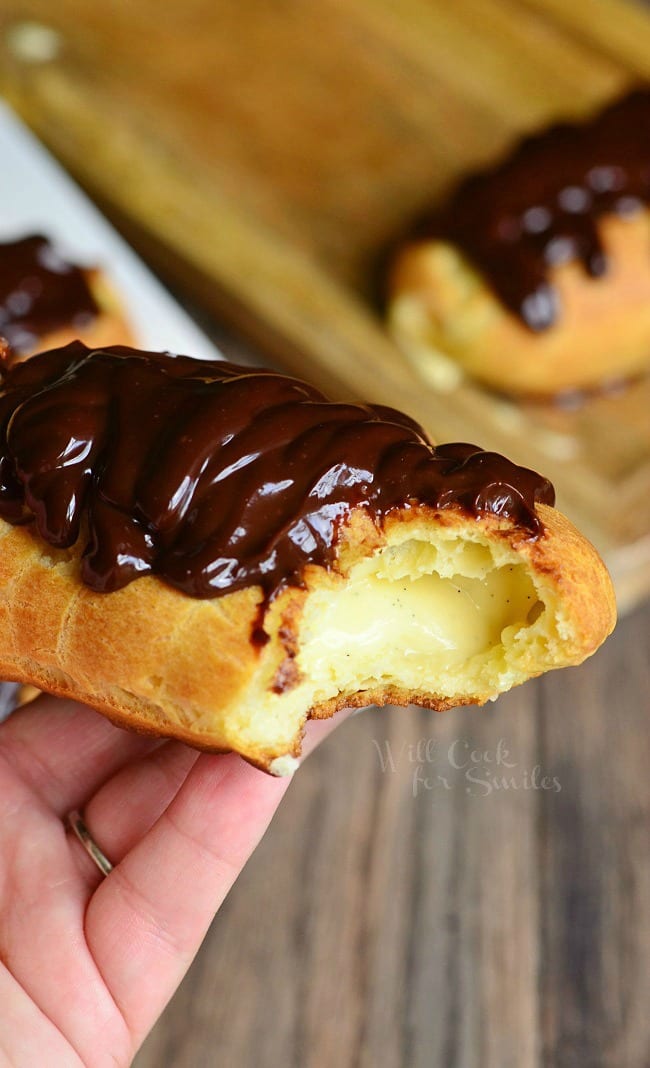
(217, 553)
(47, 301)
(534, 277)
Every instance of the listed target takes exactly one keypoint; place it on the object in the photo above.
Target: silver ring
(75, 822)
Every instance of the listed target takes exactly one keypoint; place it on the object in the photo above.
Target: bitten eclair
(47, 301)
(535, 277)
(217, 553)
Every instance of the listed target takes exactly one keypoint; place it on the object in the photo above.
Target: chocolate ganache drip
(40, 291)
(216, 477)
(540, 207)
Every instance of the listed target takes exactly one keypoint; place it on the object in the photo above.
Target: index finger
(146, 921)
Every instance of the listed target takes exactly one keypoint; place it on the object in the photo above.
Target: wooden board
(263, 155)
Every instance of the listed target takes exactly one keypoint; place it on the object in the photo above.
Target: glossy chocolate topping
(39, 292)
(214, 476)
(540, 207)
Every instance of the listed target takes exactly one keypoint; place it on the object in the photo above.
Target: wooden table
(419, 904)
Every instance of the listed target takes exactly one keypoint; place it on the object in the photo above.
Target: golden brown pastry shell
(439, 305)
(157, 661)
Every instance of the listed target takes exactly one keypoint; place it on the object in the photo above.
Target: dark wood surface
(480, 921)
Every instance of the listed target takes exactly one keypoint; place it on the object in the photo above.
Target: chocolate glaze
(39, 292)
(216, 477)
(540, 207)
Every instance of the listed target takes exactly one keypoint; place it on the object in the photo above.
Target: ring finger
(126, 807)
(128, 804)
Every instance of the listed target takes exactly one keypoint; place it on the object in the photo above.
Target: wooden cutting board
(263, 155)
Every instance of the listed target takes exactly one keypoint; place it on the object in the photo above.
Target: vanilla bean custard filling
(468, 614)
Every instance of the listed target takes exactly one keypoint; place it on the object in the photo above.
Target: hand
(87, 963)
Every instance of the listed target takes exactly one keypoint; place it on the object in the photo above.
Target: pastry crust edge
(565, 561)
